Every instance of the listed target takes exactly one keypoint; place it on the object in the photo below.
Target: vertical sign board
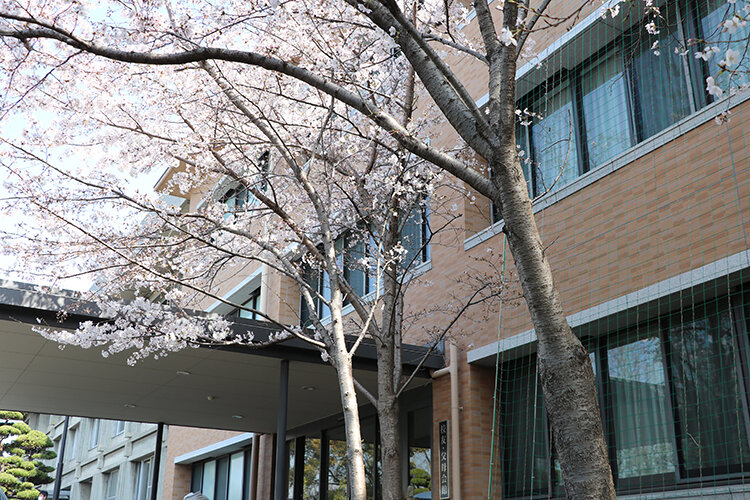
(443, 462)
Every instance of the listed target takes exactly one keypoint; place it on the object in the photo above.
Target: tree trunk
(389, 372)
(354, 457)
(390, 448)
(342, 361)
(563, 363)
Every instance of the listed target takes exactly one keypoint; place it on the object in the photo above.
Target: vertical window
(606, 113)
(526, 454)
(72, 444)
(143, 480)
(119, 427)
(415, 235)
(640, 408)
(356, 250)
(553, 137)
(707, 392)
(253, 303)
(236, 471)
(718, 12)
(94, 436)
(111, 486)
(291, 448)
(208, 485)
(660, 81)
(222, 478)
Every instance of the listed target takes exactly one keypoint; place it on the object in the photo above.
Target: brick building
(643, 198)
(643, 201)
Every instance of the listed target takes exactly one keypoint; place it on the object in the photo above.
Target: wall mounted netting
(635, 141)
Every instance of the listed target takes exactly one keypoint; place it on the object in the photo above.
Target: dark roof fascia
(64, 309)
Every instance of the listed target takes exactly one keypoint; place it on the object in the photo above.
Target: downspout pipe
(452, 370)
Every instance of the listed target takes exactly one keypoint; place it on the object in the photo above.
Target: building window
(623, 94)
(252, 303)
(119, 427)
(223, 478)
(238, 198)
(143, 480)
(111, 485)
(71, 446)
(606, 110)
(415, 236)
(94, 434)
(553, 138)
(674, 402)
(354, 250)
(662, 96)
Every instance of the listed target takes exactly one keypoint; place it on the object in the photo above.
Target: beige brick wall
(181, 440)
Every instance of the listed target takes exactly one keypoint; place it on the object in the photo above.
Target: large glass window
(111, 489)
(236, 471)
(526, 454)
(674, 404)
(143, 480)
(660, 81)
(642, 82)
(224, 478)
(606, 111)
(415, 235)
(208, 486)
(707, 392)
(553, 138)
(644, 437)
(419, 425)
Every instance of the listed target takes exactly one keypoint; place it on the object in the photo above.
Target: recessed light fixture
(183, 372)
(210, 397)
(308, 388)
(238, 417)
(129, 405)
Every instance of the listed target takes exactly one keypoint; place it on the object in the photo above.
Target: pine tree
(22, 451)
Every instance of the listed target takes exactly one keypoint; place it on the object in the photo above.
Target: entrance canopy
(224, 388)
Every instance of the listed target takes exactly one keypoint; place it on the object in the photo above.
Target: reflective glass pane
(311, 487)
(291, 446)
(606, 114)
(236, 470)
(209, 479)
(660, 82)
(524, 434)
(707, 393)
(554, 141)
(643, 430)
(337, 470)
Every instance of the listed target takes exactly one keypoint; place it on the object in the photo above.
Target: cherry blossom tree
(345, 94)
